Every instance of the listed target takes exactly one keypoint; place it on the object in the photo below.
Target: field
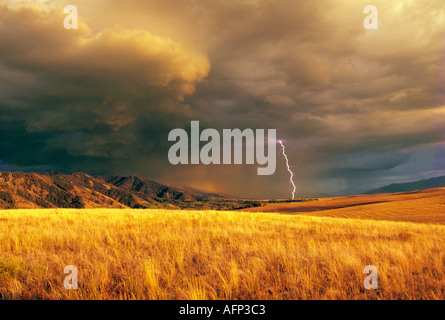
(423, 206)
(163, 254)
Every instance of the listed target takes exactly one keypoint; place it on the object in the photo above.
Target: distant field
(426, 206)
(161, 254)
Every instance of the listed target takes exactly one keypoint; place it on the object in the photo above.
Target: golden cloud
(34, 39)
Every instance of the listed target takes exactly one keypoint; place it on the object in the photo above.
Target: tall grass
(161, 254)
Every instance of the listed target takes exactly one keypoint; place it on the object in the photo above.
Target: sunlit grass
(161, 254)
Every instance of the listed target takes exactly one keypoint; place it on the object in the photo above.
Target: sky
(356, 109)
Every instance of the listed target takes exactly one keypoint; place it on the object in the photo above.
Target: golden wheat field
(161, 254)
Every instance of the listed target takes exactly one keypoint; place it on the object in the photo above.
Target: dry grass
(159, 254)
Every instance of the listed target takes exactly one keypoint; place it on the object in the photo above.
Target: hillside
(20, 190)
(411, 186)
(425, 206)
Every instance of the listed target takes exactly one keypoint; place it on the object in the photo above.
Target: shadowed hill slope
(79, 190)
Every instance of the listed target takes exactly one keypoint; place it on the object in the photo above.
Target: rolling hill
(425, 206)
(22, 190)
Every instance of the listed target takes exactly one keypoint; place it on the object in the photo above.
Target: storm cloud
(356, 108)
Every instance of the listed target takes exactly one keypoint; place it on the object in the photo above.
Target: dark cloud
(74, 100)
(354, 107)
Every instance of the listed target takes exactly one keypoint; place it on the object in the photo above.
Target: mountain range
(54, 189)
(437, 182)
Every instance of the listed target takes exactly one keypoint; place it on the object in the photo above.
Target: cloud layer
(81, 95)
(356, 108)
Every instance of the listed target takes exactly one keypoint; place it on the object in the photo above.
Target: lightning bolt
(288, 169)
